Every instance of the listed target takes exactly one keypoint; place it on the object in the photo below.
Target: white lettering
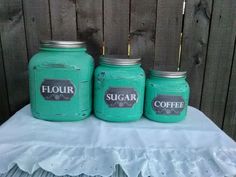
(121, 97)
(108, 97)
(44, 88)
(57, 89)
(157, 104)
(62, 89)
(168, 104)
(70, 89)
(133, 97)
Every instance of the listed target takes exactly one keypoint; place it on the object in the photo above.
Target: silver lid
(123, 60)
(62, 44)
(168, 74)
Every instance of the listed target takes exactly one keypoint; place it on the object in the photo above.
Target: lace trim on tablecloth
(102, 161)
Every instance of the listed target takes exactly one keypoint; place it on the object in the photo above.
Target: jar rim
(168, 74)
(62, 44)
(121, 60)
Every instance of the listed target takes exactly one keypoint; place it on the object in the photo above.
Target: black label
(57, 90)
(168, 104)
(120, 97)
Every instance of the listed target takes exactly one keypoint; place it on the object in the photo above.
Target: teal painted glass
(60, 81)
(119, 89)
(167, 96)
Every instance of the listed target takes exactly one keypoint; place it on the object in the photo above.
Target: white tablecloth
(194, 147)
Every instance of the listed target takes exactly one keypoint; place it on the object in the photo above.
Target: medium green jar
(60, 77)
(167, 96)
(119, 89)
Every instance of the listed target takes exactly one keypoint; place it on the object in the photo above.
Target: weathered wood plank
(219, 59)
(168, 31)
(230, 113)
(194, 47)
(142, 31)
(37, 23)
(4, 111)
(14, 53)
(116, 26)
(63, 19)
(90, 25)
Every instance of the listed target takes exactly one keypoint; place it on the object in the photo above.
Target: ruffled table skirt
(194, 147)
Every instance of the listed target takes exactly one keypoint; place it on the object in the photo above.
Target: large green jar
(119, 89)
(167, 96)
(60, 81)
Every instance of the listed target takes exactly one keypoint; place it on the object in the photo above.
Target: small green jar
(119, 89)
(167, 96)
(60, 78)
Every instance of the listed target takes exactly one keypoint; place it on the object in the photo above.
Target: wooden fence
(199, 38)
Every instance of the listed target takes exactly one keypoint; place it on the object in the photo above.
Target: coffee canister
(119, 89)
(60, 77)
(167, 96)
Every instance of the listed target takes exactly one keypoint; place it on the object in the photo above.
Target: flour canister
(167, 96)
(60, 81)
(119, 89)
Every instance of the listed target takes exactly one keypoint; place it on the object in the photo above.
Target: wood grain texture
(230, 113)
(142, 31)
(37, 23)
(90, 25)
(194, 46)
(116, 26)
(63, 19)
(168, 30)
(14, 53)
(4, 111)
(219, 59)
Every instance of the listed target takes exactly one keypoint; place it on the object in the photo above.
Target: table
(193, 147)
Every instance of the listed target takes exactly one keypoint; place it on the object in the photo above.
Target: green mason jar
(167, 96)
(60, 77)
(119, 89)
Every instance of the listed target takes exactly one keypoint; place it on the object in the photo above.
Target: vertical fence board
(219, 59)
(37, 23)
(168, 30)
(4, 111)
(142, 31)
(90, 24)
(14, 53)
(230, 113)
(63, 19)
(116, 26)
(194, 47)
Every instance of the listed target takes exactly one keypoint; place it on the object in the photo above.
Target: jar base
(165, 119)
(117, 119)
(61, 118)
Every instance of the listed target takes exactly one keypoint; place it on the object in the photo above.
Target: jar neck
(120, 66)
(63, 49)
(165, 79)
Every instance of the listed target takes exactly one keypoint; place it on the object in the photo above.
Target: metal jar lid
(122, 60)
(168, 74)
(62, 44)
